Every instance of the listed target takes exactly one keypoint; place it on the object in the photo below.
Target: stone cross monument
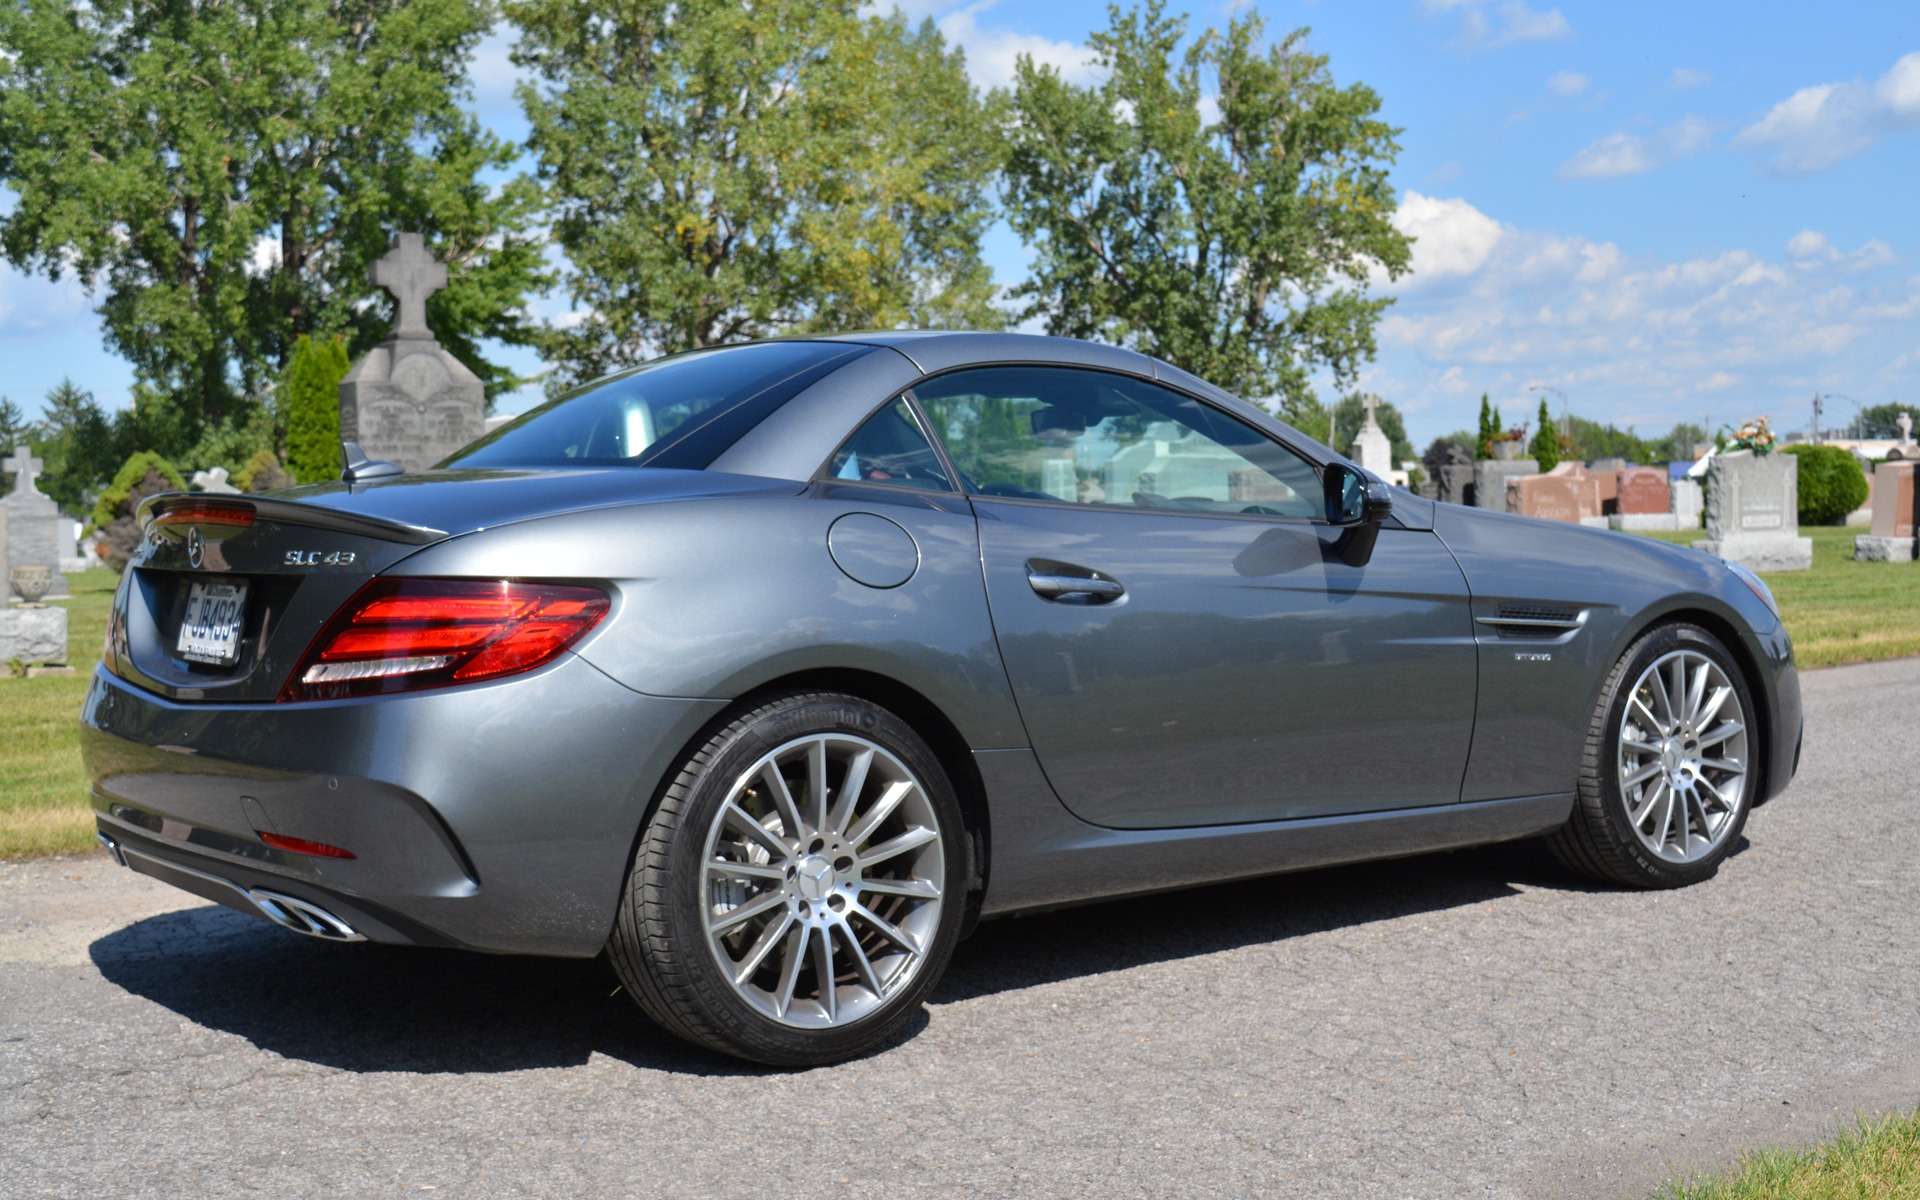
(408, 401)
(1371, 449)
(33, 521)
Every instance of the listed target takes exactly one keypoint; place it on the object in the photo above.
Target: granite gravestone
(1371, 448)
(1642, 491)
(1906, 450)
(408, 401)
(33, 521)
(1551, 497)
(1753, 512)
(1490, 478)
(1896, 515)
(1589, 494)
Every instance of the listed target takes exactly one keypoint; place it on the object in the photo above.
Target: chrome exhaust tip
(302, 916)
(112, 848)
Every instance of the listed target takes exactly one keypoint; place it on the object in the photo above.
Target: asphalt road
(1473, 1024)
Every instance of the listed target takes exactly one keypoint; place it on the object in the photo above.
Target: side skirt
(1045, 857)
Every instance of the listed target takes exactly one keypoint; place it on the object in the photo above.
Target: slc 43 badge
(316, 558)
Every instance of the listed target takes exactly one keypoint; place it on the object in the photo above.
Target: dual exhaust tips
(288, 912)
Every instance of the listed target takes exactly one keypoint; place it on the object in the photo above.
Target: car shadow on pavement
(1022, 952)
(387, 1008)
(367, 1007)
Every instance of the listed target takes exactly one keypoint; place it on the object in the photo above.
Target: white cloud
(1522, 24)
(1633, 339)
(1687, 77)
(1620, 154)
(1819, 126)
(1488, 25)
(992, 52)
(1568, 83)
(1451, 237)
(1808, 243)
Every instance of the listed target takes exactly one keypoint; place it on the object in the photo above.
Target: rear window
(680, 411)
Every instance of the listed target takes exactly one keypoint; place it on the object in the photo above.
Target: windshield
(640, 417)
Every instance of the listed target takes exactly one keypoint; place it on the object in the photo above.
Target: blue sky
(1667, 211)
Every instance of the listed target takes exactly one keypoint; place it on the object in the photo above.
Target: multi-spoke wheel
(1666, 779)
(796, 893)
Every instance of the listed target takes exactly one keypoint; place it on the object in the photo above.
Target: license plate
(211, 631)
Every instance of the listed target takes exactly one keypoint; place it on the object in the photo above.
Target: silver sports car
(769, 669)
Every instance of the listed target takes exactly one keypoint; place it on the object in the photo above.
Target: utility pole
(1816, 418)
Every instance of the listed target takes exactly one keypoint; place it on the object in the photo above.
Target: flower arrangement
(1754, 436)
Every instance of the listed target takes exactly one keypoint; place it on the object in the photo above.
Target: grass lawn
(1878, 1161)
(1839, 612)
(1843, 611)
(43, 792)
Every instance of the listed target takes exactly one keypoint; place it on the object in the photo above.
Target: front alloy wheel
(1666, 776)
(800, 885)
(1683, 757)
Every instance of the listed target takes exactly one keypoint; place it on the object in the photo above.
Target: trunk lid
(257, 577)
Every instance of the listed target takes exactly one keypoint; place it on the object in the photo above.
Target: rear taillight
(405, 634)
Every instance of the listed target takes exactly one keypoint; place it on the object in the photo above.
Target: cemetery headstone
(1371, 448)
(409, 401)
(214, 481)
(1896, 515)
(1456, 483)
(1642, 490)
(1753, 512)
(1588, 491)
(1906, 450)
(33, 521)
(1552, 497)
(1490, 478)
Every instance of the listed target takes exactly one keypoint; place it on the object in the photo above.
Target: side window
(1087, 437)
(890, 448)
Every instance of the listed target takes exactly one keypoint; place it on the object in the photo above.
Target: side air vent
(1534, 622)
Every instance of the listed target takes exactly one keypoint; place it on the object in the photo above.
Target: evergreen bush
(145, 474)
(1831, 484)
(311, 392)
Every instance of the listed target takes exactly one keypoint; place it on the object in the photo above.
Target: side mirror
(1356, 503)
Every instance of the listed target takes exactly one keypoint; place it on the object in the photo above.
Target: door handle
(1050, 581)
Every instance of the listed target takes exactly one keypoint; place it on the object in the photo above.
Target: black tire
(1599, 839)
(662, 947)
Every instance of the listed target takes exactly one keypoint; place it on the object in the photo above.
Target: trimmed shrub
(262, 473)
(145, 474)
(1831, 484)
(311, 392)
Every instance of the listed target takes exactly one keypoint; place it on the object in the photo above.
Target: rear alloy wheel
(1667, 779)
(796, 894)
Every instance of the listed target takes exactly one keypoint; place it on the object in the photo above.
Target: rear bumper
(497, 817)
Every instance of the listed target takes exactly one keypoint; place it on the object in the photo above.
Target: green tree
(1545, 447)
(1880, 421)
(1236, 245)
(223, 173)
(76, 439)
(1678, 444)
(310, 391)
(1490, 428)
(722, 173)
(1350, 413)
(14, 431)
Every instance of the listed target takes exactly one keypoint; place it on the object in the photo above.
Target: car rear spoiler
(291, 512)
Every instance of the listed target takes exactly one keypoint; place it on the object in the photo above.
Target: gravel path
(1470, 1024)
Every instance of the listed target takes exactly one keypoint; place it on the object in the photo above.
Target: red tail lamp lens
(302, 846)
(406, 634)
